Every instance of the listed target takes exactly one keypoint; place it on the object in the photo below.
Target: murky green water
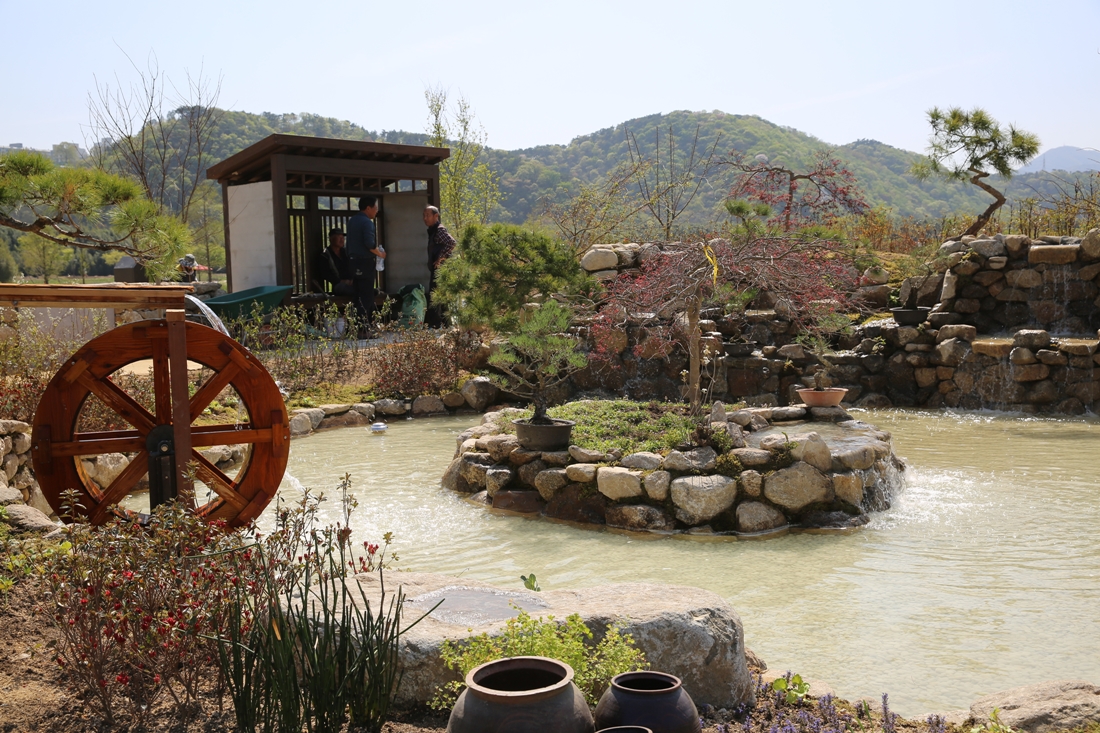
(985, 574)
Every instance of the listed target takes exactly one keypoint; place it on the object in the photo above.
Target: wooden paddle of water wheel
(161, 441)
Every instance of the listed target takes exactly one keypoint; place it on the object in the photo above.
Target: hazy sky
(539, 73)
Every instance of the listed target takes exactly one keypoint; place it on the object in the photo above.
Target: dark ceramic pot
(519, 695)
(626, 729)
(910, 316)
(544, 437)
(652, 699)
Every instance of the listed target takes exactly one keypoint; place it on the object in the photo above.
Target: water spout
(210, 315)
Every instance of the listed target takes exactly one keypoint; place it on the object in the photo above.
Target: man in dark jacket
(333, 266)
(440, 246)
(362, 247)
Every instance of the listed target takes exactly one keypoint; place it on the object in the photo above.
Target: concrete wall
(406, 241)
(251, 236)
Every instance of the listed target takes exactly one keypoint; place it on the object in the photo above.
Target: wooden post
(181, 401)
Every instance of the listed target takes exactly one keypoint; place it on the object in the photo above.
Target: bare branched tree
(669, 183)
(156, 132)
(596, 212)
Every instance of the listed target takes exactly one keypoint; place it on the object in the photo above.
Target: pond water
(984, 575)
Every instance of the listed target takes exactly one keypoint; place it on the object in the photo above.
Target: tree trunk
(986, 215)
(694, 362)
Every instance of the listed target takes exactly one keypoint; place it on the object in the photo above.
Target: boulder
(951, 352)
(1016, 244)
(389, 407)
(656, 485)
(1053, 254)
(1024, 278)
(752, 457)
(1043, 707)
(1090, 245)
(10, 466)
(453, 400)
(1020, 355)
(790, 412)
(108, 468)
(811, 448)
(21, 442)
(685, 631)
(797, 487)
(584, 473)
(717, 412)
(496, 478)
(523, 502)
(988, 248)
(1030, 372)
(960, 331)
(427, 404)
(698, 459)
(9, 494)
(599, 258)
(639, 517)
(549, 481)
(848, 487)
(577, 503)
(529, 471)
(756, 516)
(23, 518)
(856, 458)
(473, 468)
(643, 460)
(619, 483)
(334, 409)
(699, 499)
(500, 447)
(480, 392)
(830, 414)
(1031, 339)
(741, 417)
(452, 478)
(752, 483)
(558, 458)
(584, 455)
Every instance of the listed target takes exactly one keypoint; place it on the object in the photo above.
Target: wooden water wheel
(59, 444)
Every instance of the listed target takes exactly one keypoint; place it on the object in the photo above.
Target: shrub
(419, 360)
(569, 641)
(626, 425)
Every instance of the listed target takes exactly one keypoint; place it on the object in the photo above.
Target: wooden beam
(366, 168)
(281, 214)
(124, 296)
(181, 404)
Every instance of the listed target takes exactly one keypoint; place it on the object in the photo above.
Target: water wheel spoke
(208, 436)
(125, 405)
(221, 484)
(121, 486)
(97, 444)
(211, 388)
(162, 383)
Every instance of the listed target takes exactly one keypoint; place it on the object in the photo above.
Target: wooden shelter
(281, 196)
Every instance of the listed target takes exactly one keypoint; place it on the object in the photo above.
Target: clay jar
(652, 699)
(519, 695)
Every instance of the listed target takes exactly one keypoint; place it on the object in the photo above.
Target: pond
(984, 575)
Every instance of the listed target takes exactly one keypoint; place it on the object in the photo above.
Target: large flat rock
(1046, 706)
(689, 632)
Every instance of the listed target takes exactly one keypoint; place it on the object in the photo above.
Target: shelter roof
(254, 162)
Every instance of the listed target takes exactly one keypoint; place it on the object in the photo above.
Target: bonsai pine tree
(497, 270)
(970, 146)
(539, 355)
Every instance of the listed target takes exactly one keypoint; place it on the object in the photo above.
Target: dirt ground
(36, 695)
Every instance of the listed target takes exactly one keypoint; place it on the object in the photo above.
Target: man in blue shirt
(362, 249)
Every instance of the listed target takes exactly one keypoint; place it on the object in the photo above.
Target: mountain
(1065, 158)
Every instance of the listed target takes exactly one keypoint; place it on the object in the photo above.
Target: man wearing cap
(333, 266)
(440, 246)
(362, 249)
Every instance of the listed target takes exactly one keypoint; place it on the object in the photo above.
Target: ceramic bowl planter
(654, 700)
(544, 437)
(827, 397)
(625, 729)
(910, 316)
(519, 695)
